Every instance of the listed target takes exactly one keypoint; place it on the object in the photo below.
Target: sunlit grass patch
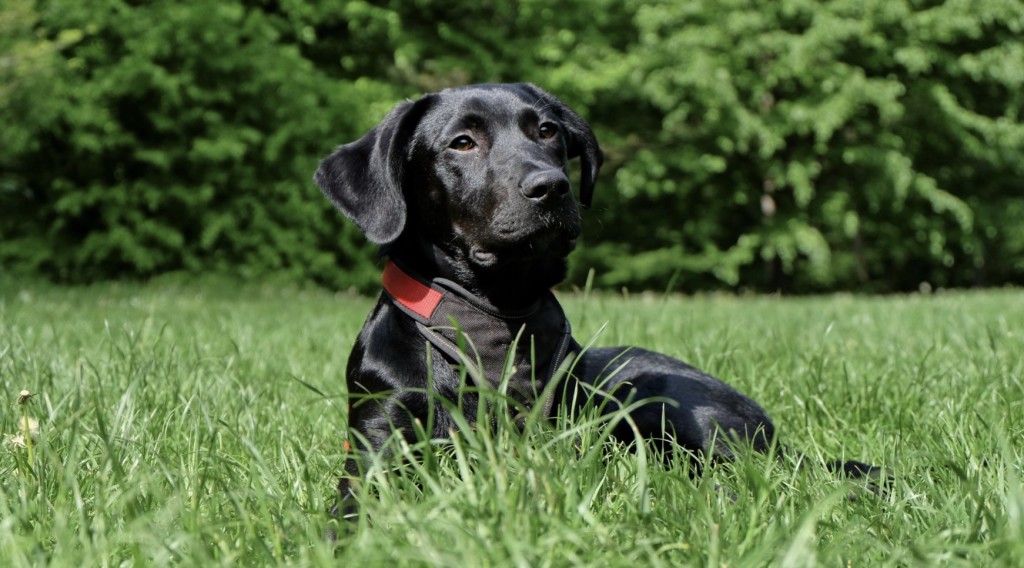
(180, 424)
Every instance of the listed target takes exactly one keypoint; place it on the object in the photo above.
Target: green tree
(176, 136)
(808, 146)
(795, 145)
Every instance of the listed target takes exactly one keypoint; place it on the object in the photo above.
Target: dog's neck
(511, 287)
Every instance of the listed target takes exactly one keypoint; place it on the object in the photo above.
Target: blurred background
(777, 145)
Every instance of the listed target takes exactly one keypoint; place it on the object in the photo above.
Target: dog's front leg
(412, 414)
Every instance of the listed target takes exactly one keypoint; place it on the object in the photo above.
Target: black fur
(472, 185)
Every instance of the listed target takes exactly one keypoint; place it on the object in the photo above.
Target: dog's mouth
(524, 240)
(520, 251)
(500, 258)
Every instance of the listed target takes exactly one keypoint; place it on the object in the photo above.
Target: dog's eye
(462, 144)
(548, 130)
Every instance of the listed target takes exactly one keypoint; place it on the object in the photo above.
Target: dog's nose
(543, 185)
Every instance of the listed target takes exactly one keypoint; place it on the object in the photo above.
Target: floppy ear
(582, 142)
(364, 178)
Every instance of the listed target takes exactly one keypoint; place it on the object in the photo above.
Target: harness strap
(479, 336)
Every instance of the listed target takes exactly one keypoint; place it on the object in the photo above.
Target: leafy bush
(809, 146)
(175, 136)
(795, 145)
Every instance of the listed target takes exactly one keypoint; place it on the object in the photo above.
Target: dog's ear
(364, 178)
(582, 143)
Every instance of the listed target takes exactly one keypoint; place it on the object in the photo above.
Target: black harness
(478, 336)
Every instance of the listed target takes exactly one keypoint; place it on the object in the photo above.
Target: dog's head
(474, 178)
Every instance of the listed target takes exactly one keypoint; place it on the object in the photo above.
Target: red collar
(410, 292)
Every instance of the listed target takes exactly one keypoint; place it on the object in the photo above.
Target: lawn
(202, 425)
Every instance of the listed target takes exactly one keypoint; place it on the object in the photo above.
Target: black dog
(467, 193)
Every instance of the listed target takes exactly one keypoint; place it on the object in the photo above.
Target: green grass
(202, 425)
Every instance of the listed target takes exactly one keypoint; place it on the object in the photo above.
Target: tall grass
(202, 425)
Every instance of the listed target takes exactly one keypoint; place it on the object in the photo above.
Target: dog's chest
(517, 352)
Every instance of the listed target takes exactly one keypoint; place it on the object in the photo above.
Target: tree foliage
(795, 145)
